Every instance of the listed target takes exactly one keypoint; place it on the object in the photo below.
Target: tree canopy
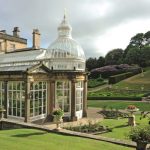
(137, 52)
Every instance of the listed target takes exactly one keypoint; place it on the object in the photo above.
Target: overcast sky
(98, 25)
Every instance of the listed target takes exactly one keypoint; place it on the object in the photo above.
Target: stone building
(9, 43)
(35, 81)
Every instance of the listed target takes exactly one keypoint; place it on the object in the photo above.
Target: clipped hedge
(114, 98)
(116, 78)
(96, 85)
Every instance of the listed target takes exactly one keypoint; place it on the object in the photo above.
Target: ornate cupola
(65, 52)
(64, 29)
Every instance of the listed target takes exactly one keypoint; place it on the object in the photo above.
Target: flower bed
(89, 128)
(112, 114)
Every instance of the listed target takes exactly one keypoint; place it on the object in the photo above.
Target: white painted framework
(38, 100)
(63, 96)
(16, 99)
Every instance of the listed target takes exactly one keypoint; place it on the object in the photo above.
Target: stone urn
(131, 119)
(57, 118)
(2, 110)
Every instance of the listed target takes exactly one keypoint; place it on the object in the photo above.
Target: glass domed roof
(65, 46)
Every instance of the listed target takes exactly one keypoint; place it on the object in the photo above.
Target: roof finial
(65, 13)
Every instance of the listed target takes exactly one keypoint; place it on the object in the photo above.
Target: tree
(114, 57)
(133, 56)
(91, 63)
(100, 61)
(145, 56)
(137, 40)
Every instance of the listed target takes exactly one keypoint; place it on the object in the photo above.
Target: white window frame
(33, 91)
(63, 90)
(80, 97)
(21, 92)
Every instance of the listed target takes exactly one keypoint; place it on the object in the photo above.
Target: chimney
(36, 38)
(16, 31)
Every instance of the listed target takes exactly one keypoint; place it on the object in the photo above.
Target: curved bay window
(1, 94)
(79, 95)
(16, 99)
(63, 95)
(38, 99)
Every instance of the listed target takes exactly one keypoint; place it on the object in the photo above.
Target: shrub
(111, 70)
(140, 134)
(119, 77)
(114, 98)
(89, 128)
(58, 112)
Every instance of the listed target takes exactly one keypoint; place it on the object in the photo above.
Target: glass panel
(63, 95)
(79, 95)
(59, 85)
(66, 108)
(38, 98)
(16, 98)
(23, 112)
(59, 93)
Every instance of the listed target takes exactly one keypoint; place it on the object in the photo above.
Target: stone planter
(131, 118)
(2, 114)
(57, 120)
(141, 145)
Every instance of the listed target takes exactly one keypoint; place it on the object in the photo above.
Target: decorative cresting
(65, 46)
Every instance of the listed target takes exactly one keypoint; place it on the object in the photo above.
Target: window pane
(63, 95)
(38, 97)
(16, 97)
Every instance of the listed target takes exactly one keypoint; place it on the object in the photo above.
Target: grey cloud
(47, 14)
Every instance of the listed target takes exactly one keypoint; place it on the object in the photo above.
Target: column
(48, 98)
(73, 101)
(5, 99)
(27, 100)
(52, 96)
(85, 98)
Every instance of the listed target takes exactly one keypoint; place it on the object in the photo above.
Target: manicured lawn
(29, 139)
(120, 130)
(96, 82)
(143, 106)
(117, 93)
(136, 86)
(136, 82)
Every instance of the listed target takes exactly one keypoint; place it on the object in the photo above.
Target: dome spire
(64, 29)
(65, 13)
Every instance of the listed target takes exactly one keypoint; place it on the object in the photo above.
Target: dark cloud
(86, 18)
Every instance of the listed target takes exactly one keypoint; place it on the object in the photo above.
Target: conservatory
(35, 81)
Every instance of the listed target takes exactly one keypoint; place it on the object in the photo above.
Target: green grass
(131, 87)
(29, 139)
(136, 82)
(116, 93)
(96, 82)
(120, 130)
(143, 106)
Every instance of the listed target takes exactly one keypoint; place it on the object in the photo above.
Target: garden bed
(90, 128)
(113, 114)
